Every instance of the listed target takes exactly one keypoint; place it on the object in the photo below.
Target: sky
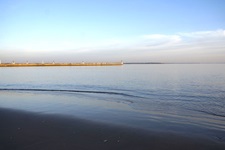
(166, 31)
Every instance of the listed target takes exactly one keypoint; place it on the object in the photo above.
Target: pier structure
(42, 64)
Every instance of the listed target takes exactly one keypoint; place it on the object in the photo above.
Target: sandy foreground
(31, 131)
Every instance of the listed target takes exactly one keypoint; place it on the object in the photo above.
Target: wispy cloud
(203, 46)
(204, 34)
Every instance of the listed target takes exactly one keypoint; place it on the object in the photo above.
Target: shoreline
(27, 130)
(60, 64)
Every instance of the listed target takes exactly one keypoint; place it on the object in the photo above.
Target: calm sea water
(174, 97)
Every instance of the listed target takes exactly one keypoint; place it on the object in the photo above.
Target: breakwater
(60, 64)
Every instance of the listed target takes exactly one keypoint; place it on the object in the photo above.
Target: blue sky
(112, 30)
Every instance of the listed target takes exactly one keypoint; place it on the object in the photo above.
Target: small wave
(208, 112)
(73, 91)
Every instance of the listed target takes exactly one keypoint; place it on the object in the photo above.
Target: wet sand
(31, 131)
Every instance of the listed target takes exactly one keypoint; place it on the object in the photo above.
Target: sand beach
(23, 130)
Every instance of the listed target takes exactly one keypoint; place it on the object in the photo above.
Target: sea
(177, 98)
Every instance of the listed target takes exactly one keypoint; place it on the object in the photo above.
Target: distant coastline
(143, 63)
(60, 64)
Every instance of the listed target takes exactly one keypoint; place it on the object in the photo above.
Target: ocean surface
(181, 98)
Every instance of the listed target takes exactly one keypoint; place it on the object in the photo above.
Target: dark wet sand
(29, 131)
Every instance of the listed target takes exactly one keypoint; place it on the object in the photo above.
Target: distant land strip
(143, 63)
(60, 64)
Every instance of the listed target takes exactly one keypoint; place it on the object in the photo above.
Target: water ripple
(72, 91)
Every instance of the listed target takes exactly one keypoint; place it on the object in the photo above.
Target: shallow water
(174, 97)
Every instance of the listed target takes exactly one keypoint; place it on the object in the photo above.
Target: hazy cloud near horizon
(202, 46)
